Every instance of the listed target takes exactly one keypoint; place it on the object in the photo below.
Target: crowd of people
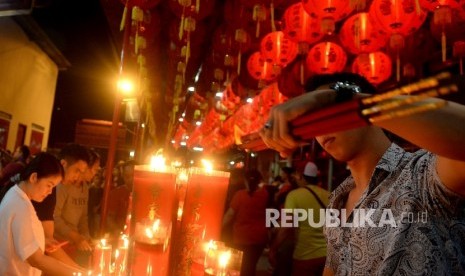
(50, 206)
(290, 251)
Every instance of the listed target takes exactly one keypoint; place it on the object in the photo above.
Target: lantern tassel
(257, 31)
(181, 26)
(136, 43)
(273, 26)
(239, 59)
(418, 7)
(188, 50)
(123, 18)
(398, 67)
(357, 33)
(197, 6)
(302, 72)
(443, 46)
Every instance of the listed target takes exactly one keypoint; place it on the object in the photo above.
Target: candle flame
(126, 242)
(148, 233)
(180, 211)
(224, 259)
(208, 165)
(157, 162)
(183, 176)
(156, 225)
(103, 242)
(116, 254)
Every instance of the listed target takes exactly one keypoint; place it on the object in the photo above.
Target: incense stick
(363, 111)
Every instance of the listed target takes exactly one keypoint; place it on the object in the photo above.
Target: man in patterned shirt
(405, 212)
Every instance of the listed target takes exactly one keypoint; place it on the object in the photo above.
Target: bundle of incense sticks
(364, 111)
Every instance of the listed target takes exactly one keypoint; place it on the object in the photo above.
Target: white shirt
(22, 234)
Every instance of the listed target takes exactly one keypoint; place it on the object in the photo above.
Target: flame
(223, 259)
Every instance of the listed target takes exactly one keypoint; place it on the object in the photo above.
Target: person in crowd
(22, 240)
(247, 215)
(309, 252)
(70, 214)
(15, 167)
(288, 185)
(74, 158)
(119, 199)
(94, 203)
(415, 201)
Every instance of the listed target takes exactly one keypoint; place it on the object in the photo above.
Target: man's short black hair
(319, 80)
(72, 153)
(25, 152)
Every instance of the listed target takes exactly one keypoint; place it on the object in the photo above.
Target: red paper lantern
(432, 5)
(227, 128)
(329, 11)
(446, 15)
(375, 67)
(300, 27)
(270, 96)
(194, 137)
(326, 58)
(260, 69)
(277, 49)
(397, 17)
(359, 35)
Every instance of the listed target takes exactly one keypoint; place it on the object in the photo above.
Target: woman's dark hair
(44, 164)
(253, 178)
(319, 80)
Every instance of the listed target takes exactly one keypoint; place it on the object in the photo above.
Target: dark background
(86, 89)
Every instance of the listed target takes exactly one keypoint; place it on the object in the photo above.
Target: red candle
(153, 213)
(202, 216)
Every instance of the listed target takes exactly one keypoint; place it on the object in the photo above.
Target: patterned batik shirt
(415, 225)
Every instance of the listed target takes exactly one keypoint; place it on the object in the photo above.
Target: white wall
(27, 82)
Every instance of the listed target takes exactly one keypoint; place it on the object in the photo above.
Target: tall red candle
(153, 213)
(202, 216)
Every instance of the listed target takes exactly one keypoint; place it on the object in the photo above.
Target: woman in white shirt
(22, 239)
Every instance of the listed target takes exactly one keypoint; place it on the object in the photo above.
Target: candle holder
(101, 258)
(120, 256)
(223, 261)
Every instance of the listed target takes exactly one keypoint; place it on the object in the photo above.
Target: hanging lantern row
(363, 34)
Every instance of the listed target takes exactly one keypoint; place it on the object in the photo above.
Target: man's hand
(51, 245)
(276, 133)
(84, 244)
